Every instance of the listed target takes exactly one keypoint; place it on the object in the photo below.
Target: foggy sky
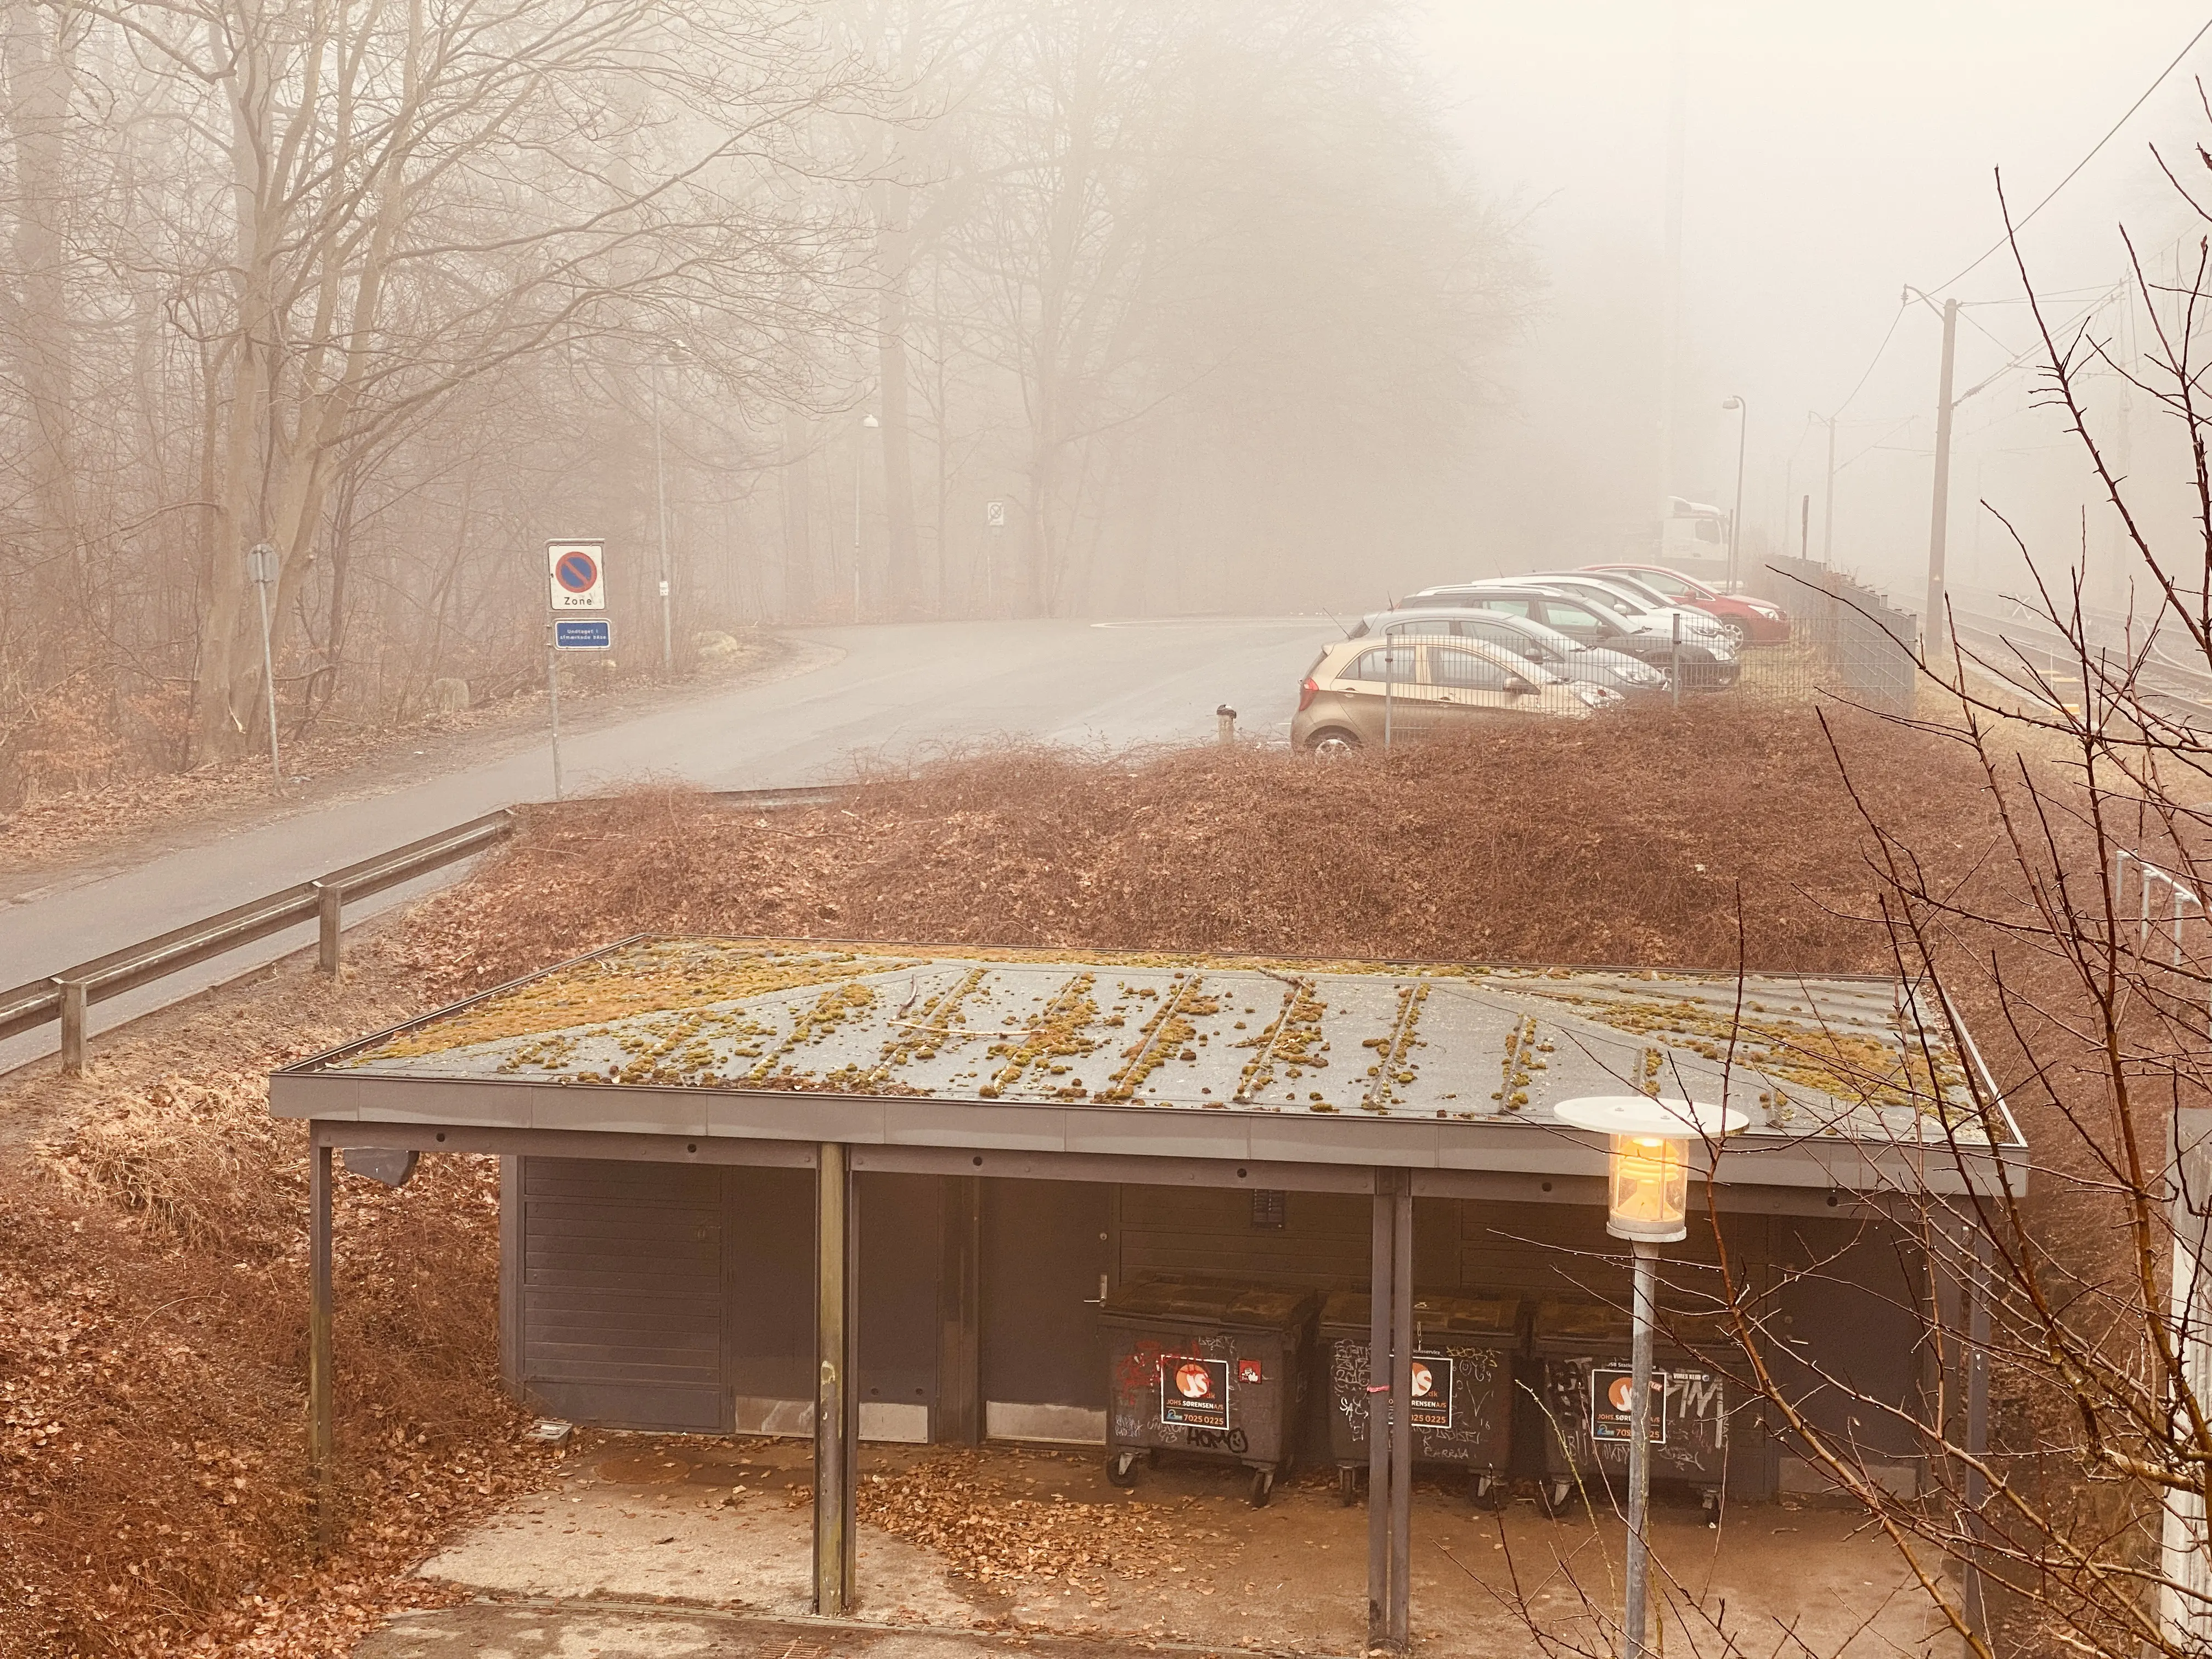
(1834, 155)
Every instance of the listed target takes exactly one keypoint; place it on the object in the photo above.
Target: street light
(660, 515)
(1647, 1203)
(1735, 519)
(263, 570)
(860, 467)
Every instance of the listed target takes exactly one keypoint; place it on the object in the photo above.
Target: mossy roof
(1854, 1057)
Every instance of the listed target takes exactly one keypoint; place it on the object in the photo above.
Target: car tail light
(1309, 688)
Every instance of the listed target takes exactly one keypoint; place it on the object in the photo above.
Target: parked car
(1638, 607)
(1568, 657)
(1706, 666)
(1418, 687)
(1754, 622)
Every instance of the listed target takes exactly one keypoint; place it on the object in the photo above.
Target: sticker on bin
(1194, 1393)
(1432, 1391)
(1248, 1371)
(1612, 1389)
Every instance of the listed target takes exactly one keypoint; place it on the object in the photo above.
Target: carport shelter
(879, 1192)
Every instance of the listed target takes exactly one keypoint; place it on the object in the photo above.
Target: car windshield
(1636, 585)
(1606, 596)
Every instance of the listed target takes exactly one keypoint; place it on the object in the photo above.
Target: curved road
(896, 693)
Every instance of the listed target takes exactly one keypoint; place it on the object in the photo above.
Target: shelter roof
(1843, 1058)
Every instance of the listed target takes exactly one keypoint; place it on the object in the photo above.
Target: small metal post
(1401, 1421)
(1224, 724)
(959, 1339)
(1677, 659)
(1643, 1314)
(321, 1433)
(1382, 1282)
(553, 696)
(73, 1031)
(837, 1405)
(327, 901)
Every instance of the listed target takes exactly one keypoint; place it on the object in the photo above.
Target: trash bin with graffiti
(1462, 1411)
(1581, 1353)
(1211, 1367)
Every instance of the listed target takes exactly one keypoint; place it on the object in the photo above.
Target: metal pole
(1401, 1421)
(837, 1408)
(1805, 528)
(321, 1435)
(1643, 1314)
(661, 514)
(1382, 1284)
(265, 557)
(1678, 659)
(1828, 501)
(860, 462)
(1939, 512)
(1978, 1428)
(553, 698)
(1735, 519)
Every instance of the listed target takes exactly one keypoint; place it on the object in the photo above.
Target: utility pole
(661, 513)
(1805, 529)
(1939, 512)
(1670, 276)
(1828, 501)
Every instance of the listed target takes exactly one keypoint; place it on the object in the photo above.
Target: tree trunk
(43, 338)
(798, 598)
(893, 254)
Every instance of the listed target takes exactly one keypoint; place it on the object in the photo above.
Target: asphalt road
(896, 694)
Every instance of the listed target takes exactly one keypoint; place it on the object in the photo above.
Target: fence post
(73, 1009)
(327, 901)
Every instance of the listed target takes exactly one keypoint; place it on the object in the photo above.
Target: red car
(1754, 622)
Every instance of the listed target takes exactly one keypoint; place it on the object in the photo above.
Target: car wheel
(1739, 633)
(1335, 744)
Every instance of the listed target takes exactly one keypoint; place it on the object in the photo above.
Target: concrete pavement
(888, 694)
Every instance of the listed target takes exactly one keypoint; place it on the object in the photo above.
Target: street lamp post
(1735, 519)
(1648, 1191)
(660, 516)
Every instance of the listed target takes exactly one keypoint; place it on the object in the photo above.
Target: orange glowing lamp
(1647, 1175)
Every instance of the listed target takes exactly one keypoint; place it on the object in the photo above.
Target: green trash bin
(1581, 1352)
(1464, 1347)
(1214, 1368)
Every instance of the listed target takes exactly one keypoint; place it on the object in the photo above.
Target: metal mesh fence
(1845, 639)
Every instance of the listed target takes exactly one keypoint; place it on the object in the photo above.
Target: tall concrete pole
(1670, 276)
(660, 515)
(1939, 513)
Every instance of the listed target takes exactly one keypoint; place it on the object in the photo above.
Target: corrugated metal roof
(1847, 1056)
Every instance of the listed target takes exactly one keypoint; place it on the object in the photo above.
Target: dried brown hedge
(1623, 841)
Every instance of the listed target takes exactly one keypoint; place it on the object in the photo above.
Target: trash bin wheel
(1263, 1487)
(1122, 1469)
(1348, 1484)
(1555, 1495)
(1487, 1491)
(1711, 1498)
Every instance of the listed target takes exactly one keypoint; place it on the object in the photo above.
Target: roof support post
(1401, 1421)
(959, 1419)
(1389, 1386)
(837, 1400)
(321, 1429)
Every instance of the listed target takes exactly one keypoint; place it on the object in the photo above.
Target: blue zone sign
(582, 635)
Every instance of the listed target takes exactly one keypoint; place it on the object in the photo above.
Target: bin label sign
(1432, 1391)
(1248, 1371)
(1194, 1393)
(1612, 1389)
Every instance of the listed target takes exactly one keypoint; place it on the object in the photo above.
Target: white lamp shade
(1642, 1115)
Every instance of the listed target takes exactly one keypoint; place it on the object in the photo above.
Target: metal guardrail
(66, 996)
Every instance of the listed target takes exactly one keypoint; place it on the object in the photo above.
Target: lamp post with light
(1741, 407)
(1647, 1203)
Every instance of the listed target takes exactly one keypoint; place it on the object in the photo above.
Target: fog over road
(898, 692)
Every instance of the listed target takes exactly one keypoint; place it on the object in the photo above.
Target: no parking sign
(578, 576)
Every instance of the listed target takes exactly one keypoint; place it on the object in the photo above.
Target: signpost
(576, 576)
(261, 570)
